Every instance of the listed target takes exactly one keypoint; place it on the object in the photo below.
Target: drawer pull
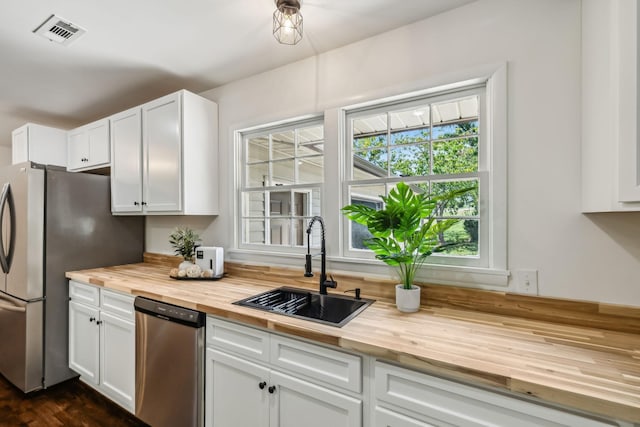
(272, 389)
(262, 385)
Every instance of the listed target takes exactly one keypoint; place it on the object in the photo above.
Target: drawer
(319, 363)
(117, 303)
(449, 402)
(238, 339)
(83, 293)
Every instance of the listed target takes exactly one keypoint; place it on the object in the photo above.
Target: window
(435, 143)
(283, 171)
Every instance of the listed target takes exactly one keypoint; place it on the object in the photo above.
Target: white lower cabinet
(406, 398)
(102, 341)
(244, 390)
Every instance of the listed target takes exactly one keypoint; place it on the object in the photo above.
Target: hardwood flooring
(69, 404)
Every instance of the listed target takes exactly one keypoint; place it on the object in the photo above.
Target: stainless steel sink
(334, 310)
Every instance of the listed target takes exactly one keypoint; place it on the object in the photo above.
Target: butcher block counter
(565, 362)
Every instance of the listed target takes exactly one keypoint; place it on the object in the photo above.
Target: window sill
(482, 278)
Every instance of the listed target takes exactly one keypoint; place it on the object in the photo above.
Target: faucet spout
(324, 283)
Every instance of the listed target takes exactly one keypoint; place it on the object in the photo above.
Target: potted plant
(404, 233)
(184, 241)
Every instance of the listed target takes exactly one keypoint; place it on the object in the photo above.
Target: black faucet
(324, 283)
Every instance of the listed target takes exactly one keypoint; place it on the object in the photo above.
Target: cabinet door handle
(135, 203)
(272, 389)
(91, 319)
(99, 322)
(262, 385)
(144, 203)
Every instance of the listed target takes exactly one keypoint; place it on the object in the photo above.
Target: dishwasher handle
(170, 312)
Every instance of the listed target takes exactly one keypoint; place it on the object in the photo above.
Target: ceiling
(134, 51)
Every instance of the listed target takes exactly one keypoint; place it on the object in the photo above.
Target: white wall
(5, 155)
(590, 257)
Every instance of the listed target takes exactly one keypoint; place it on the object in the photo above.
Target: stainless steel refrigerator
(52, 221)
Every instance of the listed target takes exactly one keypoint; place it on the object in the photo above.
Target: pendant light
(287, 21)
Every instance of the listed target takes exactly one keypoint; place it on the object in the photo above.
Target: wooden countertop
(595, 370)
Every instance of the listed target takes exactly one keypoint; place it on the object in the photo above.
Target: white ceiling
(137, 50)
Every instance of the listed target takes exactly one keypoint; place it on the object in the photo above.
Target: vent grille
(59, 30)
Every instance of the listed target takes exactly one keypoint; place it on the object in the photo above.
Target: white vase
(408, 300)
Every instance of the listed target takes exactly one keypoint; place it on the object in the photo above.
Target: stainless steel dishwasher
(169, 364)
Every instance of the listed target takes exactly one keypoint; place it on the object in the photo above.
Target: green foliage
(406, 231)
(183, 240)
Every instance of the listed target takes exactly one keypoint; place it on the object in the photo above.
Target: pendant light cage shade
(287, 22)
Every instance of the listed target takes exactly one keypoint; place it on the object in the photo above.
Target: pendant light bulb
(287, 22)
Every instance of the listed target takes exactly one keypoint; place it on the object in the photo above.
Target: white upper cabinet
(126, 166)
(610, 138)
(40, 144)
(88, 146)
(165, 157)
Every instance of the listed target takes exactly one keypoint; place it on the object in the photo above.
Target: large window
(283, 170)
(435, 144)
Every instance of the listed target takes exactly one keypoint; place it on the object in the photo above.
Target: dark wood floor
(69, 404)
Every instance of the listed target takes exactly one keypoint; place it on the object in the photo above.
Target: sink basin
(334, 310)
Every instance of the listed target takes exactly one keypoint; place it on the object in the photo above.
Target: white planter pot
(408, 300)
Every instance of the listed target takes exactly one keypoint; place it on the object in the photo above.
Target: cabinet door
(98, 143)
(126, 170)
(84, 341)
(296, 402)
(20, 145)
(233, 394)
(162, 142)
(117, 359)
(77, 149)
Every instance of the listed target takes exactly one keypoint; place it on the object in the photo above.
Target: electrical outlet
(527, 282)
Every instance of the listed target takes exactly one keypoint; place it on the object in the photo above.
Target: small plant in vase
(184, 241)
(404, 233)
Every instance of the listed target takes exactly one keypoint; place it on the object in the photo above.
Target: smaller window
(283, 171)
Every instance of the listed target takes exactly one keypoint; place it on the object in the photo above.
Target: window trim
(241, 186)
(492, 169)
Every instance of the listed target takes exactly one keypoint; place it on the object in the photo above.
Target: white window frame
(242, 187)
(490, 267)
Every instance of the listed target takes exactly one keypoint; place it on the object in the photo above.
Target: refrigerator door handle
(6, 258)
(6, 304)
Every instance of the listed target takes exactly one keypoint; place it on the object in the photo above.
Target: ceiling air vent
(59, 30)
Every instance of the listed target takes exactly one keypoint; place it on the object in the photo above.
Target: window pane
(410, 136)
(455, 109)
(464, 237)
(368, 142)
(311, 170)
(280, 203)
(253, 204)
(280, 231)
(310, 149)
(258, 175)
(453, 130)
(410, 118)
(464, 205)
(283, 145)
(411, 160)
(299, 228)
(370, 164)
(315, 202)
(455, 156)
(371, 125)
(258, 149)
(254, 231)
(367, 196)
(311, 135)
(283, 172)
